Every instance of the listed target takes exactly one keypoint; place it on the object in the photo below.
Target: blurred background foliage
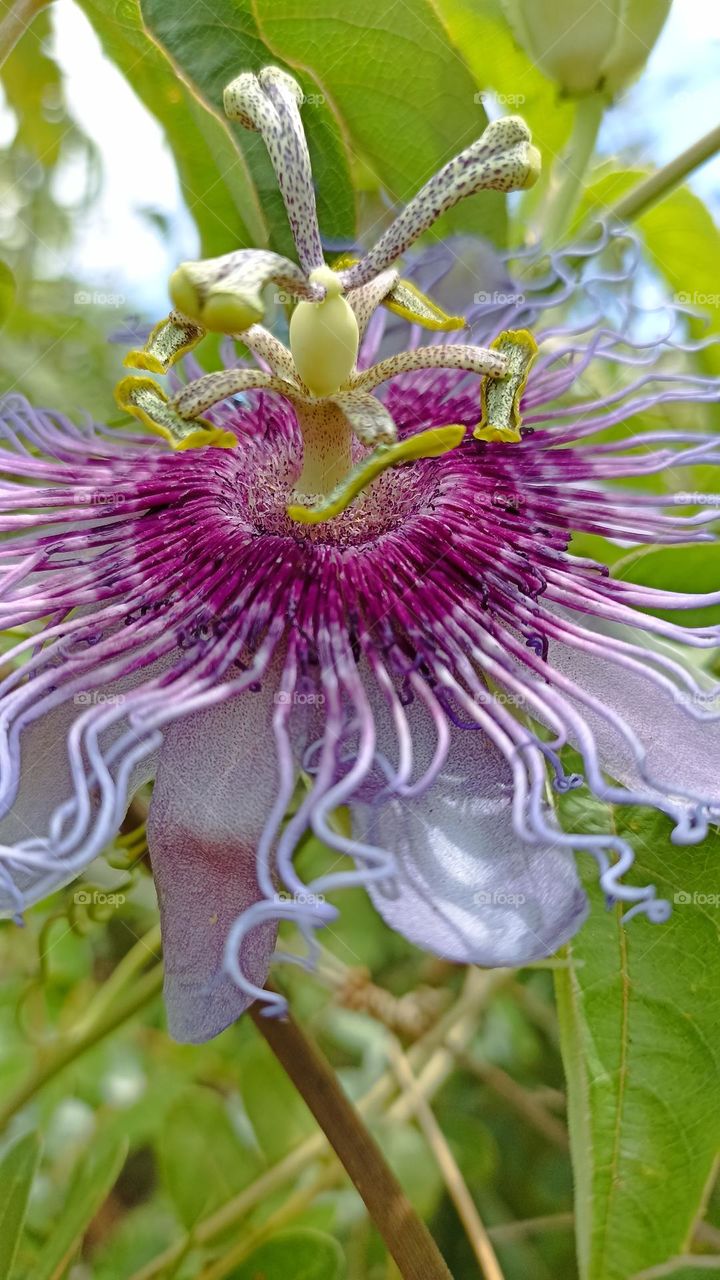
(121, 1153)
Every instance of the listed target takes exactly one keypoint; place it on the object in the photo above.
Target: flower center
(324, 337)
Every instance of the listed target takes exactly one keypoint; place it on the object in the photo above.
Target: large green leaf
(405, 96)
(90, 1188)
(303, 1254)
(203, 1161)
(639, 1011)
(210, 45)
(212, 172)
(17, 1170)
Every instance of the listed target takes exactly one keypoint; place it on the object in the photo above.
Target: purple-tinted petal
(467, 887)
(681, 749)
(214, 788)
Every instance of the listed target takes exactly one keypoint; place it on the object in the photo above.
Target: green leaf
(683, 568)
(17, 1170)
(283, 1123)
(7, 292)
(303, 1254)
(406, 98)
(90, 1188)
(639, 1008)
(214, 179)
(203, 1161)
(211, 45)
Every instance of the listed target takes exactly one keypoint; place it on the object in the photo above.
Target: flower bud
(586, 46)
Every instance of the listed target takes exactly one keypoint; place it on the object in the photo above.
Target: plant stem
(405, 1234)
(659, 184)
(15, 23)
(433, 1057)
(133, 962)
(74, 1045)
(465, 1206)
(589, 112)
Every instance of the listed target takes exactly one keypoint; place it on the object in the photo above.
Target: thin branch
(510, 1231)
(663, 181)
(404, 1233)
(452, 1177)
(524, 1102)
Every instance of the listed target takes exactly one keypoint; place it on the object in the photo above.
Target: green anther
(424, 444)
(500, 397)
(407, 301)
(147, 402)
(169, 340)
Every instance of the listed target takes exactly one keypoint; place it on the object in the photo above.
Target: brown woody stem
(405, 1234)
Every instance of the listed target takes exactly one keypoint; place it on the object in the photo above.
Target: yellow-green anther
(407, 301)
(399, 296)
(324, 337)
(169, 340)
(424, 444)
(147, 402)
(500, 397)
